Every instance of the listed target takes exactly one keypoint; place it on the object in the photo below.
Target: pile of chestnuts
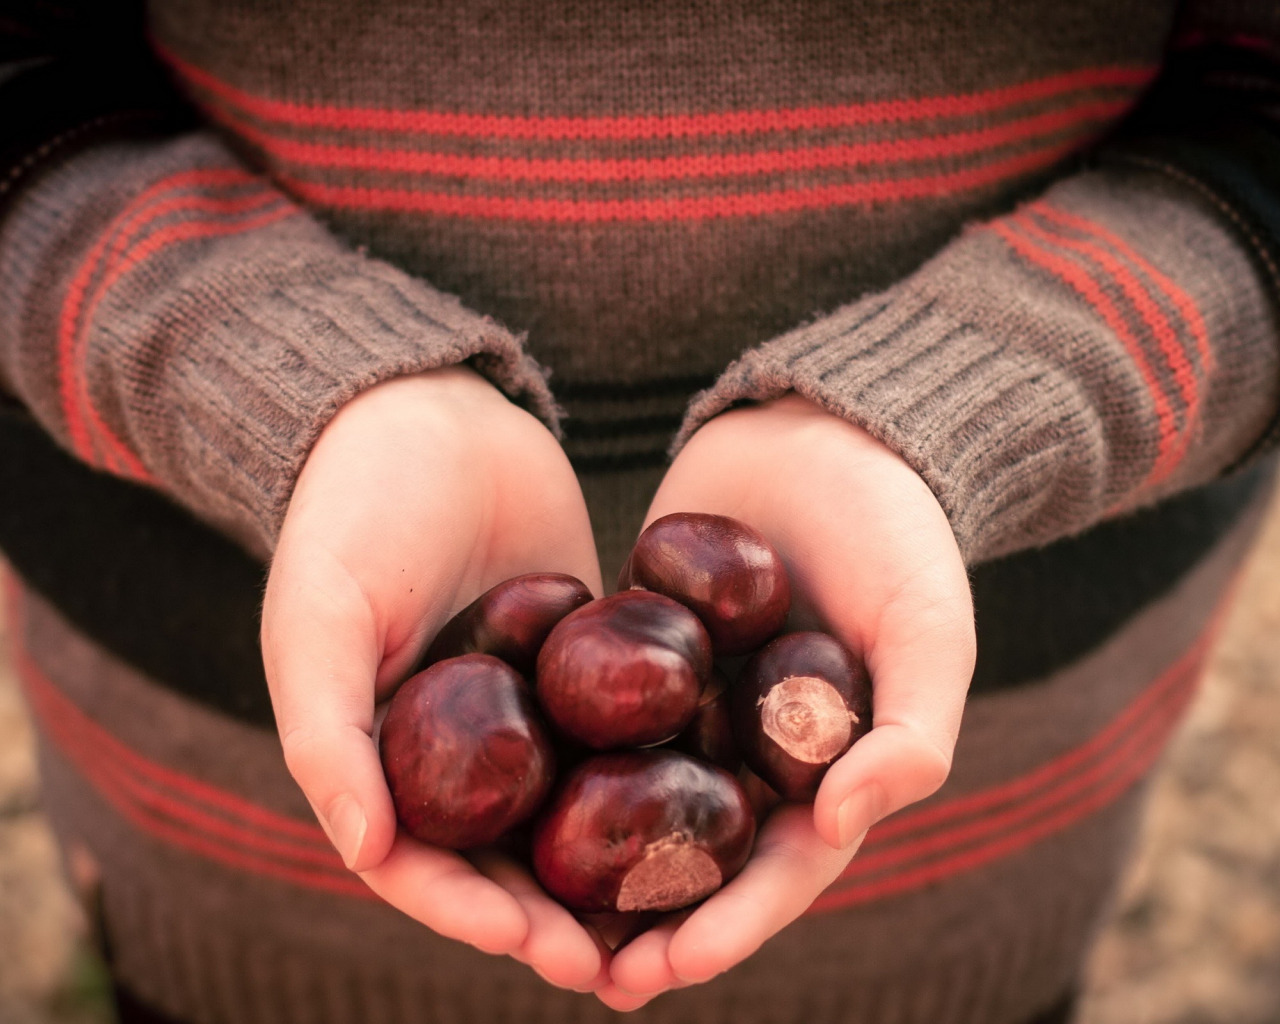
(630, 696)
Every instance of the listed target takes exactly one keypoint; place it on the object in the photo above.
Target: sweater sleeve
(1104, 345)
(171, 317)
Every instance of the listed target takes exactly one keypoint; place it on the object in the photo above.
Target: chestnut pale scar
(674, 872)
(807, 717)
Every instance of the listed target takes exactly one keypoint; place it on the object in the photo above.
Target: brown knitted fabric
(882, 204)
(649, 195)
(222, 903)
(172, 318)
(1041, 372)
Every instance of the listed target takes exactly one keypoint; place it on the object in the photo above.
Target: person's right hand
(419, 495)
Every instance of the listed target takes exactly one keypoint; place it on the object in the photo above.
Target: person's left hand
(420, 494)
(872, 560)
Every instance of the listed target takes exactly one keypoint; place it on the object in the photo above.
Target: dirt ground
(1196, 939)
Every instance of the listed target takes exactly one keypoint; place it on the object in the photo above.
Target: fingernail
(853, 817)
(347, 827)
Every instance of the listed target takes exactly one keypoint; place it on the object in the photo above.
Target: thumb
(321, 655)
(921, 659)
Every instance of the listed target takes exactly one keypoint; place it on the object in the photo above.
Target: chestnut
(762, 797)
(721, 568)
(642, 830)
(709, 736)
(624, 671)
(464, 753)
(799, 704)
(510, 621)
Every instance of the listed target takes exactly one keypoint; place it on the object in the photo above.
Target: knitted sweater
(633, 202)
(1031, 246)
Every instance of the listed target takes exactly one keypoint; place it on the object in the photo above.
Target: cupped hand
(420, 494)
(873, 561)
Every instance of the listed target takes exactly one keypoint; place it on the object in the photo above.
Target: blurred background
(1195, 938)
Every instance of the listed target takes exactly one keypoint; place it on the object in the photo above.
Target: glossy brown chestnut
(709, 736)
(721, 568)
(510, 621)
(762, 797)
(463, 751)
(798, 705)
(624, 671)
(642, 830)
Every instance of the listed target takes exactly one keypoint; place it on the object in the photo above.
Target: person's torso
(647, 190)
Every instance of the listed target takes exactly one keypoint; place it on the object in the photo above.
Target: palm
(873, 560)
(421, 494)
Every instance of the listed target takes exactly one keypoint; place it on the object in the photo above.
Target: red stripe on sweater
(1181, 299)
(202, 822)
(134, 786)
(109, 746)
(165, 238)
(238, 859)
(1136, 736)
(748, 204)
(1026, 788)
(1152, 316)
(1089, 289)
(650, 126)
(968, 860)
(1082, 117)
(1117, 761)
(142, 784)
(75, 407)
(98, 746)
(120, 459)
(1270, 46)
(98, 755)
(111, 763)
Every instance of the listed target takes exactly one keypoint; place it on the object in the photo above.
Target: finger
(889, 768)
(536, 518)
(921, 661)
(622, 1002)
(389, 499)
(542, 525)
(441, 890)
(321, 654)
(605, 952)
(788, 870)
(616, 929)
(642, 968)
(557, 946)
(618, 998)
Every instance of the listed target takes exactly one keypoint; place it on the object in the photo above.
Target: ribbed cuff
(231, 327)
(986, 425)
(1212, 125)
(283, 348)
(1097, 349)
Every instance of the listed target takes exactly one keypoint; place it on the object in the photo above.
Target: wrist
(452, 409)
(377, 445)
(793, 440)
(448, 392)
